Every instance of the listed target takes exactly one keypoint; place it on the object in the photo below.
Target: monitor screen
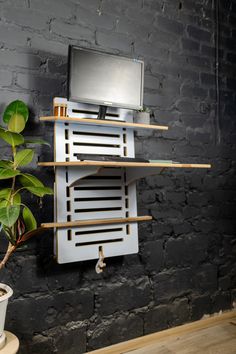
(105, 79)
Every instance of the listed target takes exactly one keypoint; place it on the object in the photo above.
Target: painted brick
(72, 30)
(26, 17)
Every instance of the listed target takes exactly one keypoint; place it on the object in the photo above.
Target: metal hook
(100, 265)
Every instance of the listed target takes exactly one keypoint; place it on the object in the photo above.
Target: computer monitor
(104, 79)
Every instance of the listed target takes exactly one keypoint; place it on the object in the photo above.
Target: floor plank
(214, 335)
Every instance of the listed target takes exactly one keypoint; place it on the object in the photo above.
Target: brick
(38, 343)
(176, 197)
(172, 284)
(10, 34)
(200, 306)
(26, 17)
(114, 330)
(199, 34)
(111, 299)
(205, 278)
(72, 30)
(156, 100)
(190, 45)
(180, 310)
(157, 319)
(193, 92)
(41, 43)
(70, 339)
(128, 27)
(148, 49)
(185, 251)
(153, 255)
(11, 95)
(169, 25)
(76, 305)
(95, 18)
(114, 41)
(221, 301)
(11, 58)
(5, 78)
(56, 8)
(182, 228)
(193, 120)
(208, 79)
(144, 16)
(186, 106)
(44, 85)
(163, 39)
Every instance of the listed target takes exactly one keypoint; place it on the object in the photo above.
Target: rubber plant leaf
(6, 164)
(24, 157)
(40, 191)
(37, 141)
(16, 124)
(6, 173)
(28, 180)
(16, 109)
(9, 214)
(29, 219)
(5, 196)
(13, 139)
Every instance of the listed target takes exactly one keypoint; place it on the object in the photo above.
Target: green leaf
(16, 123)
(5, 197)
(28, 180)
(13, 139)
(40, 191)
(6, 164)
(23, 157)
(37, 141)
(29, 219)
(6, 173)
(8, 234)
(9, 215)
(5, 193)
(16, 108)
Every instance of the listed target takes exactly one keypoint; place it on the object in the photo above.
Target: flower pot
(3, 308)
(142, 117)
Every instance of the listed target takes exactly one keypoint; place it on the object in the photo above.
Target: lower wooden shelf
(122, 164)
(80, 223)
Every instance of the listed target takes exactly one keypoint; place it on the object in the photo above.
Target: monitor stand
(102, 112)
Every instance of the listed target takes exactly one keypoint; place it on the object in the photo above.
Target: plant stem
(13, 189)
(11, 248)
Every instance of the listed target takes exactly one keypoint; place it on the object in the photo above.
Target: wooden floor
(214, 335)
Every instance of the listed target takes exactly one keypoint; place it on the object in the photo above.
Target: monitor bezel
(100, 102)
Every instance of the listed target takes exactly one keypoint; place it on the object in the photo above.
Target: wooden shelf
(134, 170)
(80, 223)
(102, 122)
(122, 164)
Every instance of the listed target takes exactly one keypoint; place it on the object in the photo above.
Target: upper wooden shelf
(122, 164)
(102, 122)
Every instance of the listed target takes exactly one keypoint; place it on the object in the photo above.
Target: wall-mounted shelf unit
(95, 201)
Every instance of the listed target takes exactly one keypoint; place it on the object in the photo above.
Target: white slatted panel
(99, 194)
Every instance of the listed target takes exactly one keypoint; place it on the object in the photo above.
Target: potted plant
(5, 293)
(143, 115)
(17, 222)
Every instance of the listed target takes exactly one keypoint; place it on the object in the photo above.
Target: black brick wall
(186, 264)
